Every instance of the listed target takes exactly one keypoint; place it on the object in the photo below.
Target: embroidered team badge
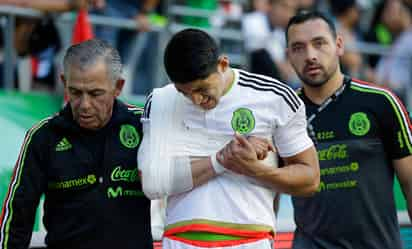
(129, 136)
(359, 124)
(243, 121)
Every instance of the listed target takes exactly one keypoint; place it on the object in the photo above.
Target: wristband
(217, 167)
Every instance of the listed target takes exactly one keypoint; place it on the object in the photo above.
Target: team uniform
(358, 135)
(93, 197)
(231, 210)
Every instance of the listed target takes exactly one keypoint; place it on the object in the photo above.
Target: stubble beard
(319, 80)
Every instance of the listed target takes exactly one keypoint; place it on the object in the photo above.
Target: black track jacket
(92, 189)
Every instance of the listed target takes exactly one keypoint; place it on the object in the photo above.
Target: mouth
(313, 69)
(85, 118)
(207, 104)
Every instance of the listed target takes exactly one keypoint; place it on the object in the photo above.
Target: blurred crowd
(40, 40)
(364, 24)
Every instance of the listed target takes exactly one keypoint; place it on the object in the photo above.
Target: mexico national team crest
(129, 136)
(243, 121)
(359, 124)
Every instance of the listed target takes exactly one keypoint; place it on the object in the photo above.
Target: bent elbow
(307, 191)
(316, 181)
(312, 188)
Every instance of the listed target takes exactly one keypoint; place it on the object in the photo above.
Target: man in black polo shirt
(364, 137)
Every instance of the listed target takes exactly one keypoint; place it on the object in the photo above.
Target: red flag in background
(82, 29)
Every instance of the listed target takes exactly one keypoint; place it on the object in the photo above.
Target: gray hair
(89, 52)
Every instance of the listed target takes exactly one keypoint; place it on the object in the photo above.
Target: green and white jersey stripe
(397, 106)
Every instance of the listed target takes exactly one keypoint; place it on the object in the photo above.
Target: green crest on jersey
(129, 136)
(359, 124)
(243, 121)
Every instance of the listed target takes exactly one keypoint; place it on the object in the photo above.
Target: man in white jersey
(200, 149)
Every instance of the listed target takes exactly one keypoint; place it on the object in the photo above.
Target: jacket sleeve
(26, 186)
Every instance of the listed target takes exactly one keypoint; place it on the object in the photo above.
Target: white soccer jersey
(275, 111)
(231, 203)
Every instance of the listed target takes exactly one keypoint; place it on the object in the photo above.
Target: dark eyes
(298, 48)
(96, 93)
(316, 43)
(74, 92)
(200, 90)
(319, 43)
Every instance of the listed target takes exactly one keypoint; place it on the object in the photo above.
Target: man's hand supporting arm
(300, 176)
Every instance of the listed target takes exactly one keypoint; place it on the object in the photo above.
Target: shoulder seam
(268, 81)
(283, 91)
(262, 81)
(397, 106)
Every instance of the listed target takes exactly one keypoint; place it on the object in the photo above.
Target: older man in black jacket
(84, 160)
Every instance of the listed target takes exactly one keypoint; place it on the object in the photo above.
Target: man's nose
(311, 54)
(196, 98)
(85, 101)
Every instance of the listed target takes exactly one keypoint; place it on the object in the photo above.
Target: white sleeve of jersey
(291, 137)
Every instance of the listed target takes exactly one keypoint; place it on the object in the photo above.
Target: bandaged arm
(175, 174)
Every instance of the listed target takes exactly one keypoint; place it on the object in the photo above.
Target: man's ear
(119, 87)
(223, 63)
(340, 45)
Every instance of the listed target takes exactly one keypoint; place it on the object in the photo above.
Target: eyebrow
(73, 88)
(297, 43)
(316, 38)
(86, 90)
(198, 88)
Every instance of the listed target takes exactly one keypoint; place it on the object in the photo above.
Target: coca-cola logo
(127, 175)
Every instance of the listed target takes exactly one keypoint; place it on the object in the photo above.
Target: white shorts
(261, 244)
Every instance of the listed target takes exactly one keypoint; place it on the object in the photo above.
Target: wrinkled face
(313, 51)
(206, 93)
(91, 94)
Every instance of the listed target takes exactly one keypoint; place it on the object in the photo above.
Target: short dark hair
(191, 54)
(304, 16)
